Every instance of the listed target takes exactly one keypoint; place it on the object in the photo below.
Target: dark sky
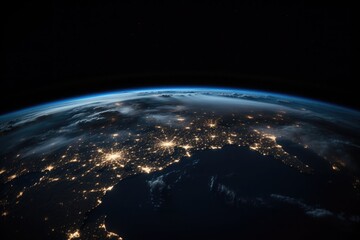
(61, 50)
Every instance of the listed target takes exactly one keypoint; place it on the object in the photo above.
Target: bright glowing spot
(113, 156)
(54, 179)
(112, 159)
(270, 136)
(167, 144)
(211, 123)
(145, 169)
(49, 168)
(181, 119)
(12, 177)
(115, 135)
(249, 117)
(19, 194)
(186, 147)
(2, 171)
(215, 147)
(74, 235)
(335, 168)
(255, 146)
(112, 235)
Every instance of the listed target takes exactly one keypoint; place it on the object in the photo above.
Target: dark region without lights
(58, 50)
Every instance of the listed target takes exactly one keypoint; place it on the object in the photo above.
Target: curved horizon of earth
(180, 163)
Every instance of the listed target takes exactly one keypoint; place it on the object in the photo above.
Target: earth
(181, 163)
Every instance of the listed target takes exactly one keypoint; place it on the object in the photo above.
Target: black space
(60, 50)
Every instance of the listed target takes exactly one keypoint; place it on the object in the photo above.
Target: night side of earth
(180, 163)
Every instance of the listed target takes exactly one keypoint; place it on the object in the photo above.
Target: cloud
(159, 191)
(319, 213)
(156, 184)
(231, 197)
(48, 146)
(333, 144)
(289, 200)
(228, 193)
(313, 211)
(308, 209)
